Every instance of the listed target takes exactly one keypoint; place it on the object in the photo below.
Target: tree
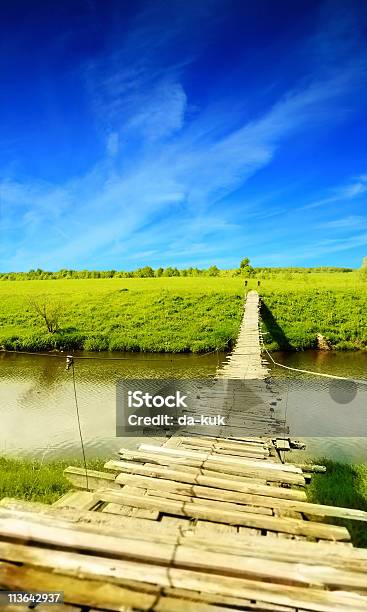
(49, 312)
(213, 271)
(245, 268)
(146, 272)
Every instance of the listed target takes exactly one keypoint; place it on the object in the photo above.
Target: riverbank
(172, 315)
(183, 314)
(343, 485)
(295, 311)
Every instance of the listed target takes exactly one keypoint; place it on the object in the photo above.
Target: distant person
(245, 283)
(258, 283)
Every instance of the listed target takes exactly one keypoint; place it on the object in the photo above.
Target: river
(38, 417)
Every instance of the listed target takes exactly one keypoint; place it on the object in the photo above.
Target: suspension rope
(70, 362)
(96, 358)
(281, 365)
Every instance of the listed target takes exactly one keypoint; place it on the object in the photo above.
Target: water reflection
(38, 411)
(37, 400)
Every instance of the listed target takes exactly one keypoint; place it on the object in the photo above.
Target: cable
(281, 365)
(30, 353)
(70, 362)
(62, 356)
(285, 422)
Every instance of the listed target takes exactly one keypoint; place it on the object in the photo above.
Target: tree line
(245, 269)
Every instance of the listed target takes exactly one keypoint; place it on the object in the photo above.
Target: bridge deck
(241, 393)
(245, 361)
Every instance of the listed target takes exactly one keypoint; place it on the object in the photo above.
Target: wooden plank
(330, 553)
(125, 510)
(95, 480)
(286, 506)
(206, 529)
(227, 601)
(280, 573)
(227, 444)
(105, 589)
(94, 522)
(225, 468)
(282, 444)
(63, 500)
(250, 450)
(178, 452)
(84, 500)
(200, 477)
(215, 504)
(250, 454)
(311, 467)
(242, 440)
(135, 467)
(78, 591)
(232, 517)
(250, 502)
(129, 511)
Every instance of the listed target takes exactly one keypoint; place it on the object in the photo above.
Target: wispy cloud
(342, 193)
(351, 222)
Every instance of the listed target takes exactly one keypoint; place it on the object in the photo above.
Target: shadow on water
(343, 485)
(274, 329)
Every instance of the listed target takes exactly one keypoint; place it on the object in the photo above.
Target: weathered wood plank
(200, 477)
(282, 444)
(185, 558)
(98, 592)
(203, 456)
(84, 500)
(78, 478)
(136, 467)
(330, 553)
(206, 492)
(270, 475)
(231, 517)
(199, 492)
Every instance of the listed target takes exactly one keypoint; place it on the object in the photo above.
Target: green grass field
(296, 307)
(161, 314)
(180, 314)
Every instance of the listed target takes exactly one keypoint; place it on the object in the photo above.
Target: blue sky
(173, 132)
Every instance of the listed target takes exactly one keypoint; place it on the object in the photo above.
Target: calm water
(37, 399)
(38, 411)
(330, 416)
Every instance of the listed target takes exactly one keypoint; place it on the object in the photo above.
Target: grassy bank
(298, 307)
(161, 314)
(343, 485)
(31, 480)
(182, 314)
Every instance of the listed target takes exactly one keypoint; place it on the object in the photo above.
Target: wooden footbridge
(192, 524)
